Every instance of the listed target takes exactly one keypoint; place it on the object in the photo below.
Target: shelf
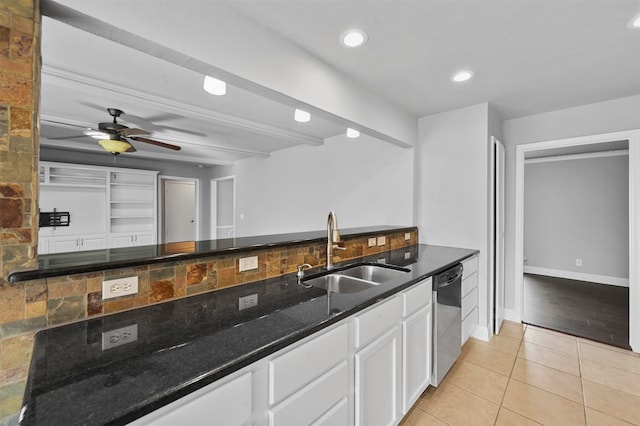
(132, 217)
(74, 185)
(144, 185)
(131, 202)
(78, 177)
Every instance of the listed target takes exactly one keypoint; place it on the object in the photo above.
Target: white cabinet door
(64, 244)
(93, 242)
(228, 404)
(376, 381)
(43, 245)
(120, 240)
(144, 239)
(416, 354)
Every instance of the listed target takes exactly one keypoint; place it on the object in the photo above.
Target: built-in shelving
(116, 202)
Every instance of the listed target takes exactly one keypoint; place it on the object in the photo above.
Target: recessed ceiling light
(353, 38)
(301, 116)
(352, 133)
(214, 86)
(461, 76)
(634, 23)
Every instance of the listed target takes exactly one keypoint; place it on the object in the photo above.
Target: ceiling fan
(119, 135)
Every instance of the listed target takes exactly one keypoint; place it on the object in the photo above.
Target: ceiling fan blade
(156, 143)
(132, 149)
(132, 132)
(62, 138)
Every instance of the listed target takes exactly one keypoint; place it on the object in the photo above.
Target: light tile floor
(532, 376)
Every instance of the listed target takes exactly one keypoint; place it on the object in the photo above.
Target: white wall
(365, 181)
(603, 117)
(451, 185)
(578, 208)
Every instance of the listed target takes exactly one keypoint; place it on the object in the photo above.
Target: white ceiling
(529, 56)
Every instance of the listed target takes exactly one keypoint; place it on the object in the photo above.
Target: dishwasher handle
(449, 277)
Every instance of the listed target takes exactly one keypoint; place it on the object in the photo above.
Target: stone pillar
(19, 99)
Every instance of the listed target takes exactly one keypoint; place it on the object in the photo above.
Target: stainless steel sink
(374, 273)
(356, 278)
(339, 283)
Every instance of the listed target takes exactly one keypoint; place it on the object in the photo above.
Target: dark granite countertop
(188, 343)
(55, 265)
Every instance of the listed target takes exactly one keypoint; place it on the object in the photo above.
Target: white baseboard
(481, 332)
(510, 315)
(600, 279)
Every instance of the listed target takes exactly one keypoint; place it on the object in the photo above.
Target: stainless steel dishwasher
(447, 321)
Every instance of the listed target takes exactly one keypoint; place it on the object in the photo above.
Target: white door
(179, 211)
(499, 173)
(223, 194)
(93, 242)
(376, 387)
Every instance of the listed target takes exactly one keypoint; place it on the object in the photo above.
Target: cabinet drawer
(469, 302)
(416, 297)
(470, 266)
(469, 324)
(469, 282)
(337, 415)
(376, 321)
(313, 401)
(299, 366)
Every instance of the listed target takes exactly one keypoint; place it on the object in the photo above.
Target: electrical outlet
(248, 301)
(407, 236)
(119, 287)
(382, 241)
(248, 263)
(372, 242)
(119, 336)
(578, 262)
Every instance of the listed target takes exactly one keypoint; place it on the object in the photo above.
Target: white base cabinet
(469, 297)
(71, 243)
(366, 370)
(131, 239)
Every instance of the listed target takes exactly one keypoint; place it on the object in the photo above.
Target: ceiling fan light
(301, 116)
(96, 134)
(634, 23)
(352, 133)
(114, 146)
(214, 86)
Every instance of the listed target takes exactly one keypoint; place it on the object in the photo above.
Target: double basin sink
(356, 278)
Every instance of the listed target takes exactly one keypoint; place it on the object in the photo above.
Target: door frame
(213, 204)
(161, 180)
(494, 202)
(633, 136)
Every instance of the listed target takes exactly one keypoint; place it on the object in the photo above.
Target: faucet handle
(339, 247)
(301, 269)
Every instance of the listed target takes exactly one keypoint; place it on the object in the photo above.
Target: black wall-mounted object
(54, 219)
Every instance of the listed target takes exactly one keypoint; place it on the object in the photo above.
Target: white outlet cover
(407, 236)
(372, 242)
(119, 287)
(382, 240)
(248, 263)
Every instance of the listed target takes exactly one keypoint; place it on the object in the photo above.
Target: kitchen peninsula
(162, 352)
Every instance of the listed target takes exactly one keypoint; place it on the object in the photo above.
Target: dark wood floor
(594, 311)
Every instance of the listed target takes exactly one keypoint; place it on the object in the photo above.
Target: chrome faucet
(333, 238)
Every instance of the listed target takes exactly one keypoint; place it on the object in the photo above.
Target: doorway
(179, 217)
(571, 146)
(223, 207)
